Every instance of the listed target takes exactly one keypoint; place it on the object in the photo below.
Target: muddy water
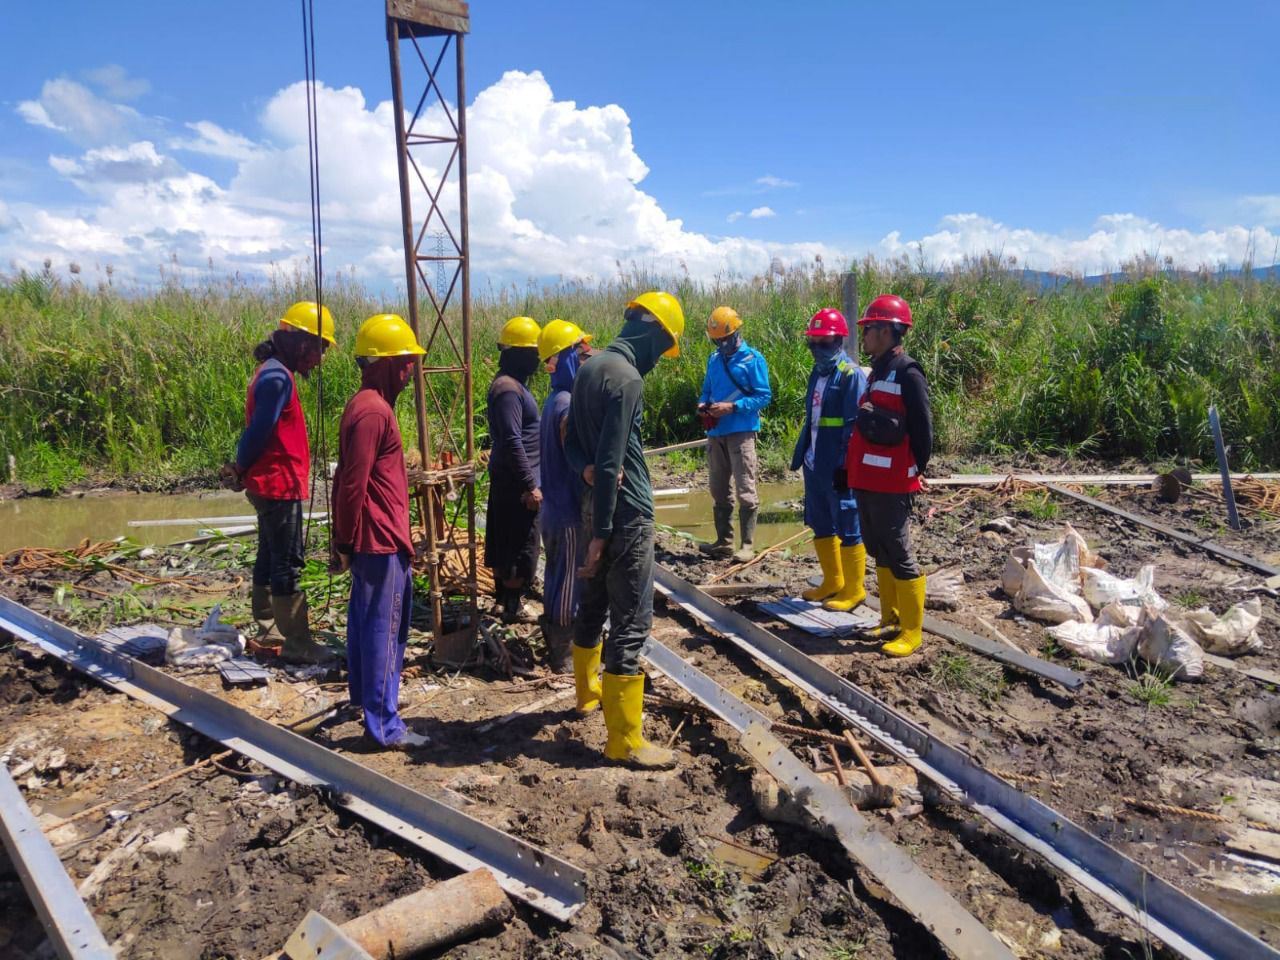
(781, 513)
(65, 521)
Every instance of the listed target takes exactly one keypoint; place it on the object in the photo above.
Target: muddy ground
(668, 872)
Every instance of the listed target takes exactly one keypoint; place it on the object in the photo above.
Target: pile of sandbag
(1111, 619)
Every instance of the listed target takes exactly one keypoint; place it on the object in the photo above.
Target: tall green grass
(149, 386)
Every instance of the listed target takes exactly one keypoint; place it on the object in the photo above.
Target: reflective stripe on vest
(875, 460)
(831, 421)
(887, 386)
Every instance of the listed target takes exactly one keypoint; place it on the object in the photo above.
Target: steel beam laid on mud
(67, 921)
(1009, 656)
(1208, 546)
(545, 882)
(1185, 924)
(954, 927)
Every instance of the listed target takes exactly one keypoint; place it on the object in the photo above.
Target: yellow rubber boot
(853, 564)
(832, 579)
(586, 677)
(623, 703)
(889, 626)
(911, 611)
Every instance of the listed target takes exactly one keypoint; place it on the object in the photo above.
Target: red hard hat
(828, 322)
(887, 309)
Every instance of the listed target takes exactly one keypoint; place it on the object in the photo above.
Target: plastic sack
(1101, 588)
(1234, 634)
(1163, 643)
(1111, 639)
(211, 642)
(1049, 601)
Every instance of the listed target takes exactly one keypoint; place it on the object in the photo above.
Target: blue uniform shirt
(750, 370)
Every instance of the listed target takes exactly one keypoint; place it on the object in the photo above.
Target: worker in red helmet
(888, 452)
(830, 508)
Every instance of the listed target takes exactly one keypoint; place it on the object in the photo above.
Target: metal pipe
(1220, 447)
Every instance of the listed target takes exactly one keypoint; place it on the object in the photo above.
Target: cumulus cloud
(212, 140)
(102, 168)
(760, 213)
(115, 82)
(77, 112)
(1261, 209)
(1115, 240)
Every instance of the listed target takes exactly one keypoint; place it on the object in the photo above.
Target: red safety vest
(281, 472)
(876, 467)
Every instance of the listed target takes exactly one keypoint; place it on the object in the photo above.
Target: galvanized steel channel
(545, 882)
(67, 921)
(923, 898)
(1182, 922)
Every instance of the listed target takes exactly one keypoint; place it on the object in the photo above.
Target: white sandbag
(1233, 634)
(1111, 639)
(1164, 644)
(1051, 602)
(1101, 588)
(1014, 567)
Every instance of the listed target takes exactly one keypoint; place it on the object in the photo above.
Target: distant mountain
(1047, 280)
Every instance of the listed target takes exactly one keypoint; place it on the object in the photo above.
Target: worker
(830, 508)
(515, 492)
(272, 466)
(888, 452)
(735, 389)
(371, 528)
(603, 446)
(563, 348)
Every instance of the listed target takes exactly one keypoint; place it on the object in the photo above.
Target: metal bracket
(319, 938)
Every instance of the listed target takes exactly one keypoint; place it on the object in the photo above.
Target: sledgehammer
(879, 794)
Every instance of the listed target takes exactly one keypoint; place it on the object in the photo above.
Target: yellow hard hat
(557, 335)
(519, 332)
(667, 309)
(386, 335)
(722, 322)
(302, 316)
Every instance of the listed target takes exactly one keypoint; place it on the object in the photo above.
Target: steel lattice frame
(431, 150)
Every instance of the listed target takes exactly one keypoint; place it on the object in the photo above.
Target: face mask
(518, 362)
(825, 356)
(729, 345)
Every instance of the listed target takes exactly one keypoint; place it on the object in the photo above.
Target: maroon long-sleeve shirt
(371, 488)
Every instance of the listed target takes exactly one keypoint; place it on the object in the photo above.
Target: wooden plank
(451, 16)
(1257, 843)
(1096, 479)
(1253, 673)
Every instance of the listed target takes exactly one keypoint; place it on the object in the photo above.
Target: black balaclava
(728, 345)
(287, 346)
(643, 340)
(519, 363)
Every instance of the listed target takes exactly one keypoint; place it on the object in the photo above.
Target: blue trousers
(566, 551)
(830, 514)
(377, 631)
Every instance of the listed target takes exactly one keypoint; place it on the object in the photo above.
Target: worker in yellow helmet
(371, 529)
(515, 488)
(604, 447)
(272, 467)
(563, 347)
(735, 389)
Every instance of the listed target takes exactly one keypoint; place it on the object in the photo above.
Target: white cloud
(1115, 240)
(212, 140)
(1262, 209)
(100, 168)
(74, 110)
(735, 216)
(760, 213)
(114, 81)
(769, 180)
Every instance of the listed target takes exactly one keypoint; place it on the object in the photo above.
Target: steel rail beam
(1208, 546)
(67, 921)
(1185, 924)
(954, 927)
(545, 882)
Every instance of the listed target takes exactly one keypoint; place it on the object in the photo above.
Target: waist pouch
(881, 427)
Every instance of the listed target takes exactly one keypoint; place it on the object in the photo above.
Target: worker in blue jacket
(734, 391)
(836, 384)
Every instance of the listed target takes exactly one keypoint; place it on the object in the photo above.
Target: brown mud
(668, 872)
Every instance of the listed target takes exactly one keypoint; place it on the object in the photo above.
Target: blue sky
(716, 135)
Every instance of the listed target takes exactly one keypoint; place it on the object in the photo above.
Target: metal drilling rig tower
(431, 147)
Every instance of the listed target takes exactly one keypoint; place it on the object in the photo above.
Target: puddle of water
(64, 521)
(1255, 912)
(750, 865)
(781, 513)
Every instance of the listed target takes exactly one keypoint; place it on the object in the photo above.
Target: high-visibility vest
(876, 467)
(281, 472)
